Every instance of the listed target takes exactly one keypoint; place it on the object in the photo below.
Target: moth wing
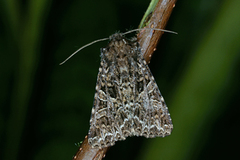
(127, 101)
(152, 117)
(104, 130)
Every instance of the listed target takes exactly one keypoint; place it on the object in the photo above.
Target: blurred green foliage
(45, 108)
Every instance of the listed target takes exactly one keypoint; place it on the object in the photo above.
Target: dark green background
(45, 108)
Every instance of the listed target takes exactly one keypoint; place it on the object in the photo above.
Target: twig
(148, 39)
(156, 16)
(86, 152)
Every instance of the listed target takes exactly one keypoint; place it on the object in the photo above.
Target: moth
(127, 101)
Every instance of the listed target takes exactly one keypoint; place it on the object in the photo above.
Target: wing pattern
(127, 101)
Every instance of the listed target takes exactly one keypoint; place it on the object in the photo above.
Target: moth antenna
(99, 40)
(103, 39)
(139, 29)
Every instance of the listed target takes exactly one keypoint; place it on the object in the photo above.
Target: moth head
(116, 37)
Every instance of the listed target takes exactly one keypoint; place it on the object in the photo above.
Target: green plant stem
(29, 36)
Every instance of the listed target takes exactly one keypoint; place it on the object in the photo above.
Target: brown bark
(148, 39)
(86, 152)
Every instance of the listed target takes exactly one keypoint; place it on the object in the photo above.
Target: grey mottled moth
(127, 101)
